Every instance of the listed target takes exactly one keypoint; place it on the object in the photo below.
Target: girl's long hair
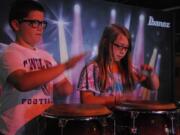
(104, 57)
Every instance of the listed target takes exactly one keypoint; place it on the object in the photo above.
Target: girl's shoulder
(92, 64)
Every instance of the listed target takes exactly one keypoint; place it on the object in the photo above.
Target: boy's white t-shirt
(18, 108)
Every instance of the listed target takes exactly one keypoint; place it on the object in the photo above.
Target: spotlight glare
(141, 17)
(77, 8)
(113, 12)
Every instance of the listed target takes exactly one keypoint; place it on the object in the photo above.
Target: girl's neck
(114, 67)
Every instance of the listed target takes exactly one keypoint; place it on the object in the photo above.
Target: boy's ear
(15, 25)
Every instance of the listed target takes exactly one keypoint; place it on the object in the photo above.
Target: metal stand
(114, 130)
(106, 127)
(134, 115)
(104, 124)
(172, 130)
(62, 124)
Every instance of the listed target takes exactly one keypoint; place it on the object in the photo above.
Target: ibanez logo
(156, 23)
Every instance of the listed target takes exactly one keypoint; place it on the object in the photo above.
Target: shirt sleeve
(10, 62)
(89, 79)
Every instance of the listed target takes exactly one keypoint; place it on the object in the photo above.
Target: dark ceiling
(163, 5)
(154, 4)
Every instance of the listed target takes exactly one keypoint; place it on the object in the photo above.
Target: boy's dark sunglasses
(34, 23)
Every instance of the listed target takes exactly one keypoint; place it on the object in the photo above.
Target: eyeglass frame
(34, 23)
(120, 46)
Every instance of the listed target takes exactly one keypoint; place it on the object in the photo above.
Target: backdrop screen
(76, 26)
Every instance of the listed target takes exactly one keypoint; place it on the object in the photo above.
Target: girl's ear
(15, 25)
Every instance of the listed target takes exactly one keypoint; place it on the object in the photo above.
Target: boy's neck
(24, 44)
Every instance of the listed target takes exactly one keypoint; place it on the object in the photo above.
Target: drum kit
(126, 118)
